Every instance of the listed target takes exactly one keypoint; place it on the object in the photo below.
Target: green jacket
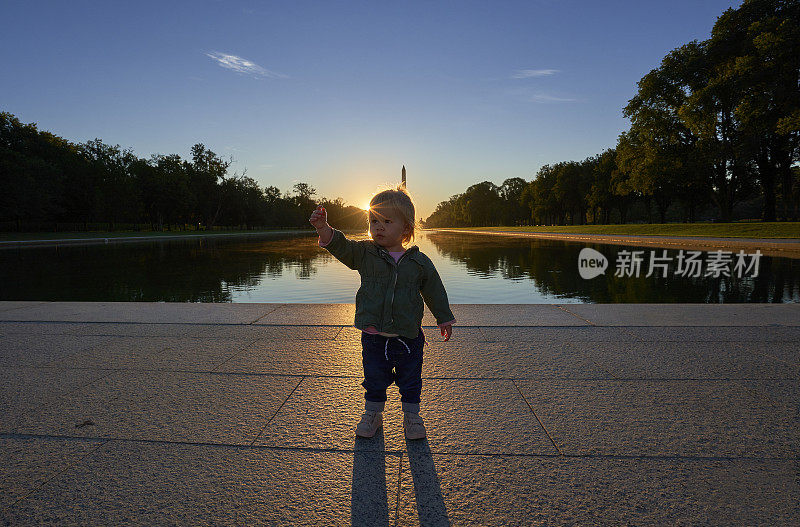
(391, 293)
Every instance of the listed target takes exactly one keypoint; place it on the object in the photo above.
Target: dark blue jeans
(403, 367)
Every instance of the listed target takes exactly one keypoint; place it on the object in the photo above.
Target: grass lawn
(717, 230)
(22, 236)
(714, 230)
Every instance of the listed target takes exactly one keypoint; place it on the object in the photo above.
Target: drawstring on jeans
(386, 346)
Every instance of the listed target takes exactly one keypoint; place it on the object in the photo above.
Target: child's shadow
(427, 488)
(369, 503)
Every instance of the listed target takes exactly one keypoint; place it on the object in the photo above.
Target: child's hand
(319, 218)
(447, 329)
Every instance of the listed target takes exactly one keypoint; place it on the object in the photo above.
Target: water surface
(293, 268)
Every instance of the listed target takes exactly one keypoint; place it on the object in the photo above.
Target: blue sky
(341, 94)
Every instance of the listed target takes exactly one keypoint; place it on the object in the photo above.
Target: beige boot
(369, 424)
(413, 426)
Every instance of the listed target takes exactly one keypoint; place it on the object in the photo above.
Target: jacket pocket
(408, 309)
(369, 301)
(410, 276)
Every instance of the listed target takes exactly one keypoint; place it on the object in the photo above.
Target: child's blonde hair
(397, 201)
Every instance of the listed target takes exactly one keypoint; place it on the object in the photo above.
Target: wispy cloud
(527, 74)
(545, 98)
(243, 66)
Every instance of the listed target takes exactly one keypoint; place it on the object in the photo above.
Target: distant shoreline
(783, 247)
(786, 247)
(86, 238)
(751, 229)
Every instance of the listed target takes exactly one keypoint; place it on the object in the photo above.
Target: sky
(340, 95)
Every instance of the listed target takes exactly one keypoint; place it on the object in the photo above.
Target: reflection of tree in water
(778, 281)
(192, 270)
(552, 266)
(211, 269)
(271, 258)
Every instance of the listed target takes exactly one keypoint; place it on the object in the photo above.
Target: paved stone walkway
(243, 414)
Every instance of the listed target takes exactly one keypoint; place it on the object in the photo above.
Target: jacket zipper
(396, 267)
(391, 301)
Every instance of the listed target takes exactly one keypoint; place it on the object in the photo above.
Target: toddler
(394, 283)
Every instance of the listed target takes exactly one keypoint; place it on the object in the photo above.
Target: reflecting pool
(475, 269)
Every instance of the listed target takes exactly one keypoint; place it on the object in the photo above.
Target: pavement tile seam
(82, 386)
(277, 411)
(609, 377)
(601, 368)
(716, 326)
(242, 446)
(242, 350)
(562, 308)
(344, 336)
(546, 431)
(267, 313)
(637, 338)
(187, 338)
(76, 389)
(793, 415)
(719, 341)
(659, 379)
(431, 326)
(56, 473)
(342, 327)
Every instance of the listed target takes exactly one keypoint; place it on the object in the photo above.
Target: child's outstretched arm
(435, 296)
(349, 252)
(319, 219)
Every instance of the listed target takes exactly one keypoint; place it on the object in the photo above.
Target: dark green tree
(513, 210)
(481, 203)
(756, 48)
(207, 172)
(32, 174)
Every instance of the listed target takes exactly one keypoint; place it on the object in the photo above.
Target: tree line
(715, 126)
(714, 134)
(50, 183)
